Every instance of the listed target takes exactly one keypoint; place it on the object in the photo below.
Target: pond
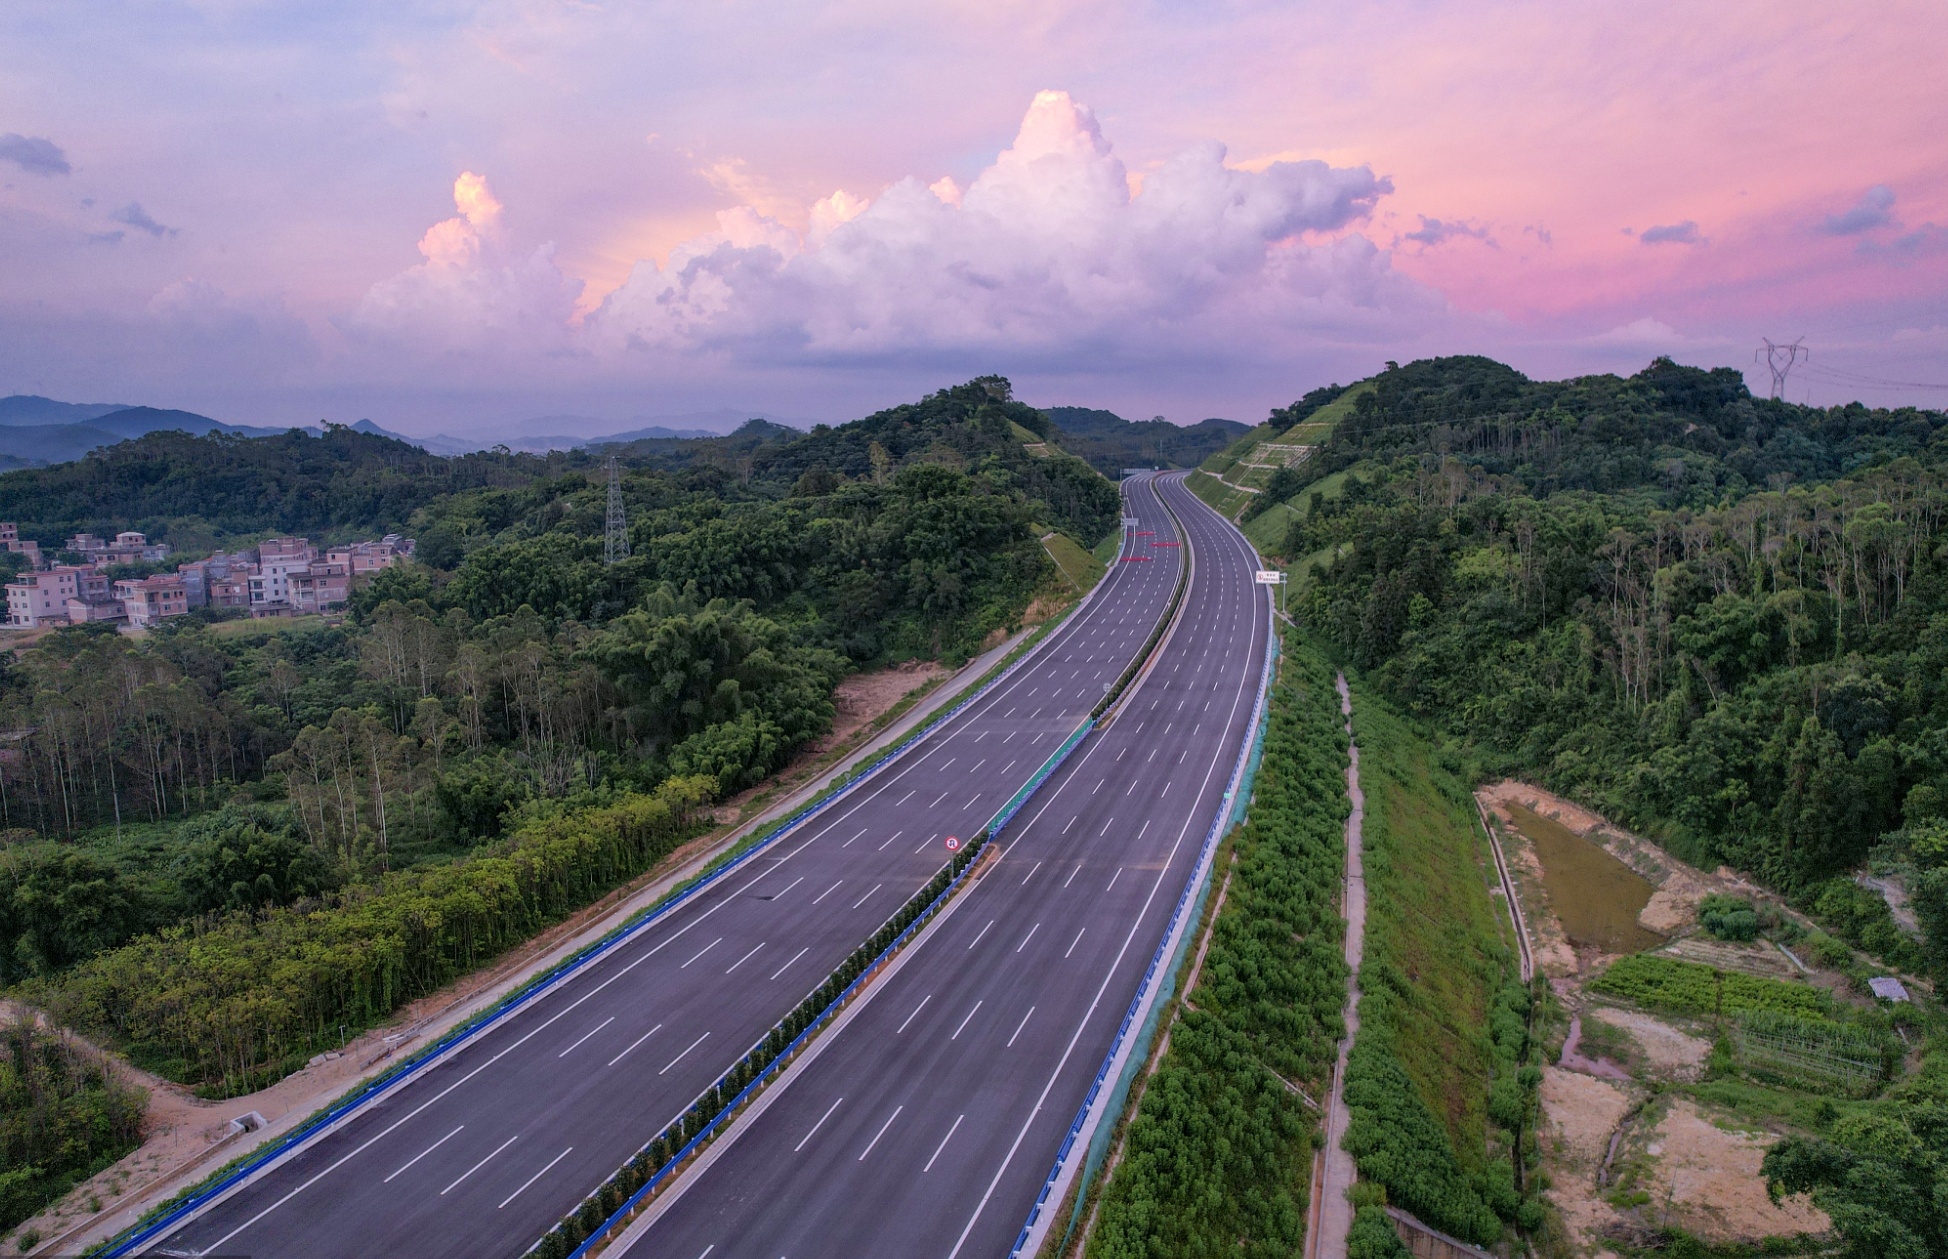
(1596, 897)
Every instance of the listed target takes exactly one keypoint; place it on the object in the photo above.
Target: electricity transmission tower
(615, 545)
(1781, 359)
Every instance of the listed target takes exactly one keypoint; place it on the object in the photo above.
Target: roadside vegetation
(1215, 1160)
(63, 1117)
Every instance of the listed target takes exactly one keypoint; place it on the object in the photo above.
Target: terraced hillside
(1271, 459)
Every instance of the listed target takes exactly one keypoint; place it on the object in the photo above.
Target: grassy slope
(1220, 496)
(1435, 958)
(1078, 565)
(1323, 421)
(1268, 530)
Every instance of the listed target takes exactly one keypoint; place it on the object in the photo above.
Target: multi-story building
(232, 591)
(367, 557)
(130, 546)
(86, 545)
(91, 583)
(200, 576)
(147, 600)
(10, 539)
(270, 585)
(84, 608)
(319, 586)
(38, 599)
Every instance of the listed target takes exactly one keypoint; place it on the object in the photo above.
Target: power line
(1821, 371)
(1781, 359)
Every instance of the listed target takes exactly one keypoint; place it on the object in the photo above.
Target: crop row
(1665, 983)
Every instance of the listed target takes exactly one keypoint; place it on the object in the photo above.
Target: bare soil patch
(1580, 1112)
(1707, 1179)
(1670, 1053)
(864, 696)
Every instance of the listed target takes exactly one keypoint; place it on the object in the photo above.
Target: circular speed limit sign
(953, 843)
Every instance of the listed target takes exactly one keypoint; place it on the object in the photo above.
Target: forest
(1721, 619)
(63, 1117)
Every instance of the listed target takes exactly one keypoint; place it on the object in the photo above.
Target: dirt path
(1332, 1213)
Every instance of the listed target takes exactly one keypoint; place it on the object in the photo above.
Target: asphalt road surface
(488, 1149)
(926, 1127)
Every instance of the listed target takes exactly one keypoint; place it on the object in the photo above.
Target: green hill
(1111, 443)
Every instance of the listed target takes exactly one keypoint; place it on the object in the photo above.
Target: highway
(485, 1149)
(927, 1124)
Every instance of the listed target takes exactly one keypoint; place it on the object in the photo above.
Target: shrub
(1728, 917)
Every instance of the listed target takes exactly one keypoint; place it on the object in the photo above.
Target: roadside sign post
(1272, 577)
(953, 843)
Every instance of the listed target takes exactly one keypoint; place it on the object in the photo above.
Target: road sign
(1130, 522)
(953, 843)
(1269, 577)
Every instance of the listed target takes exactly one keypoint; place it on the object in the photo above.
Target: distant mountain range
(36, 431)
(532, 443)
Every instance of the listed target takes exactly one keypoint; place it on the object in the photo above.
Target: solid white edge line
(1083, 1023)
(1090, 606)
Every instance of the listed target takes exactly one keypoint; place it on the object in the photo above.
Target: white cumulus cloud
(1045, 254)
(472, 292)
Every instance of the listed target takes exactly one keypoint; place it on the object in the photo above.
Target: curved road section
(489, 1145)
(926, 1125)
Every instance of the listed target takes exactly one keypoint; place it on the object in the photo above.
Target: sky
(459, 216)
